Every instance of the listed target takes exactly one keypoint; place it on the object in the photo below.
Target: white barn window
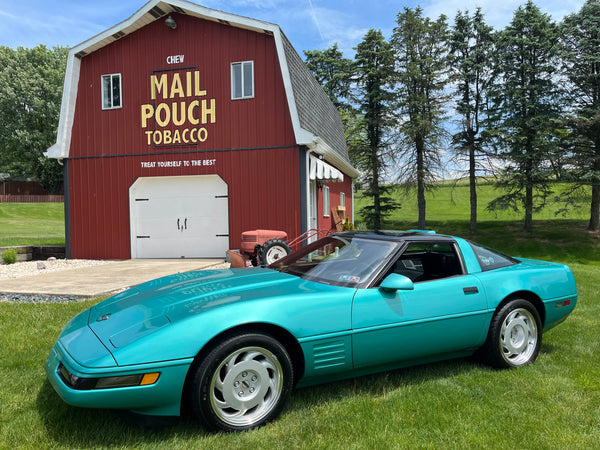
(325, 201)
(242, 80)
(111, 91)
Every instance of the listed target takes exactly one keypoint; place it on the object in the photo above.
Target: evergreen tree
(421, 59)
(374, 75)
(580, 36)
(471, 49)
(527, 102)
(333, 72)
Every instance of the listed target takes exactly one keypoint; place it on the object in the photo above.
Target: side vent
(118, 35)
(330, 354)
(156, 12)
(178, 9)
(81, 54)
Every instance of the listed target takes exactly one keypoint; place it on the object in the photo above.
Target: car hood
(147, 308)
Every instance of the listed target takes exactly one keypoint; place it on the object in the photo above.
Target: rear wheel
(243, 383)
(515, 336)
(272, 250)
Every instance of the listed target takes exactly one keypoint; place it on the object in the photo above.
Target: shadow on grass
(75, 427)
(79, 427)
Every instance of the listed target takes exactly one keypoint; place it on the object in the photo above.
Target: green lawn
(554, 403)
(32, 224)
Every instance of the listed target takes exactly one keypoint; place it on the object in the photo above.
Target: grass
(554, 403)
(32, 224)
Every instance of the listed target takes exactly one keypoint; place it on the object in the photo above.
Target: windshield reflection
(338, 260)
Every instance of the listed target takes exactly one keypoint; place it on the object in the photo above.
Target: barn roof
(316, 122)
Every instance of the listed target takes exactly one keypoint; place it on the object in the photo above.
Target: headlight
(86, 384)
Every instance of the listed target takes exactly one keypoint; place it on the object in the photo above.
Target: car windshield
(342, 260)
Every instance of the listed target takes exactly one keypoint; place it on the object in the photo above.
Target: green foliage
(333, 72)
(9, 256)
(471, 49)
(31, 82)
(580, 39)
(348, 226)
(527, 99)
(374, 71)
(420, 46)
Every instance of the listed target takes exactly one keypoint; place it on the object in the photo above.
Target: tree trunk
(594, 224)
(421, 203)
(472, 188)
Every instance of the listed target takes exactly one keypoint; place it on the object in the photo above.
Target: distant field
(32, 224)
(562, 238)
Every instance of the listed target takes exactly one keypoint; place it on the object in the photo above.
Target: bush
(348, 226)
(9, 256)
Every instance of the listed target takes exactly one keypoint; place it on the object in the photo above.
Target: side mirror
(396, 282)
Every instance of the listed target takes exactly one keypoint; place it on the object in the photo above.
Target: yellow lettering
(184, 136)
(209, 111)
(160, 86)
(202, 134)
(190, 112)
(176, 86)
(178, 121)
(149, 136)
(157, 137)
(197, 91)
(167, 137)
(194, 136)
(159, 120)
(176, 137)
(188, 84)
(147, 112)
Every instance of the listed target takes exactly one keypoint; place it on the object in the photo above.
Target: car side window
(422, 261)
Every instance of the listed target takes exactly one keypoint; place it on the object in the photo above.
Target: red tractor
(263, 247)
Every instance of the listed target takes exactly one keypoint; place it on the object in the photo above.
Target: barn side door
(179, 217)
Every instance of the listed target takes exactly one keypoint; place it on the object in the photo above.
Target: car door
(439, 316)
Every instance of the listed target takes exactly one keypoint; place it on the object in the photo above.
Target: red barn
(183, 126)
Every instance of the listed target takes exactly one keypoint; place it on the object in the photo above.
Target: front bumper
(161, 398)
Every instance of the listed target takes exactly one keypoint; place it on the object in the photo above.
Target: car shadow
(75, 427)
(79, 427)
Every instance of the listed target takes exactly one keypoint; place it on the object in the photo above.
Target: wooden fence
(32, 198)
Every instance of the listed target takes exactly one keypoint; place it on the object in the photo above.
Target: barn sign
(181, 109)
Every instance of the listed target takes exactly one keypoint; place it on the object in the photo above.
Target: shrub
(9, 256)
(348, 226)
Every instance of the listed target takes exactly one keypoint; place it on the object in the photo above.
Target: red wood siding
(334, 200)
(251, 141)
(209, 48)
(258, 197)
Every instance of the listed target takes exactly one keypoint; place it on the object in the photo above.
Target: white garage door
(179, 217)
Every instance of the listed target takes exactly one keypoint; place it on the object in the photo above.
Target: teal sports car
(233, 343)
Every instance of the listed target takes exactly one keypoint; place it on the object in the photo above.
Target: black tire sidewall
(200, 392)
(491, 352)
(268, 245)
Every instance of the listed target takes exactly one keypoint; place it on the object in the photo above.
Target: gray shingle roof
(316, 112)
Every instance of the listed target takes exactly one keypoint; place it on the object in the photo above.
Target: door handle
(471, 290)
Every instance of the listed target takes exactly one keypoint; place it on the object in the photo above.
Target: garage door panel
(175, 217)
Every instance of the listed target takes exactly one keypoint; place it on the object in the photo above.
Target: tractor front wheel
(272, 250)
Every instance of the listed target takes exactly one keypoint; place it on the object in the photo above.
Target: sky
(309, 24)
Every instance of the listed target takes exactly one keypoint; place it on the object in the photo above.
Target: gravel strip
(27, 268)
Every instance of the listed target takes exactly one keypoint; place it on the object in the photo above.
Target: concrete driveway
(104, 279)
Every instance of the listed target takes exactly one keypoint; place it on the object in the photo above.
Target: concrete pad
(96, 281)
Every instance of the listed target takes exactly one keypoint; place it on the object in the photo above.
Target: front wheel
(243, 383)
(272, 250)
(515, 336)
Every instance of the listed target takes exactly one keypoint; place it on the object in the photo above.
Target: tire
(243, 383)
(272, 250)
(514, 337)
